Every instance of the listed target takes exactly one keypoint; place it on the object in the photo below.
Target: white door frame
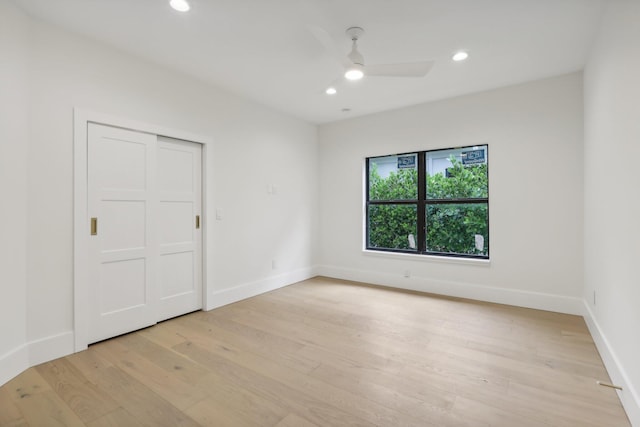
(81, 119)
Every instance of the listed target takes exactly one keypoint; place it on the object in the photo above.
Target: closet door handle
(197, 221)
(94, 226)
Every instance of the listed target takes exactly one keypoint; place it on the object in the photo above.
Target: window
(429, 202)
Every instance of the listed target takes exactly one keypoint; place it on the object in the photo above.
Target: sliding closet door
(179, 227)
(145, 243)
(123, 249)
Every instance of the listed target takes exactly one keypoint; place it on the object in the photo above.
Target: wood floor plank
(179, 393)
(206, 331)
(21, 422)
(486, 415)
(236, 408)
(293, 420)
(327, 352)
(163, 335)
(172, 362)
(83, 397)
(117, 418)
(355, 404)
(320, 334)
(302, 383)
(47, 409)
(38, 403)
(258, 379)
(140, 401)
(90, 364)
(9, 413)
(570, 412)
(211, 412)
(401, 396)
(29, 383)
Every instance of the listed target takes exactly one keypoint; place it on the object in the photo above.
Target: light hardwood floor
(329, 353)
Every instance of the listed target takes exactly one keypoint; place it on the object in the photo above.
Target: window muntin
(430, 202)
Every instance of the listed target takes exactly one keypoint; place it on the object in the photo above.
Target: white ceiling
(263, 49)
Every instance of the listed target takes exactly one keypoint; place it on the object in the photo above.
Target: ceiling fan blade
(410, 69)
(329, 45)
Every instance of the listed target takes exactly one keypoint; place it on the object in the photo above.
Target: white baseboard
(516, 297)
(33, 353)
(251, 289)
(628, 395)
(49, 348)
(13, 363)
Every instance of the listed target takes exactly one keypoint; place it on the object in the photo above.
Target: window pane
(393, 226)
(458, 228)
(393, 177)
(457, 173)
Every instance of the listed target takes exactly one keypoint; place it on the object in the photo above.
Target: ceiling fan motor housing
(354, 33)
(355, 56)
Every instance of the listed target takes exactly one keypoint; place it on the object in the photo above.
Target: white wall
(612, 205)
(14, 92)
(534, 132)
(253, 146)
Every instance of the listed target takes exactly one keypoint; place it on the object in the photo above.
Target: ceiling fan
(354, 63)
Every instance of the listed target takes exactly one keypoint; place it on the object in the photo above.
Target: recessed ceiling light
(460, 56)
(331, 91)
(346, 110)
(180, 5)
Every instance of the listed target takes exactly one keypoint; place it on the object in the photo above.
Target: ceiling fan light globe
(180, 5)
(354, 74)
(460, 56)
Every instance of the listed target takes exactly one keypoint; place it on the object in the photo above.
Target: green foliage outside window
(400, 185)
(390, 225)
(450, 228)
(463, 182)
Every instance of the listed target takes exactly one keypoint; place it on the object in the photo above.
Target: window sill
(429, 258)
